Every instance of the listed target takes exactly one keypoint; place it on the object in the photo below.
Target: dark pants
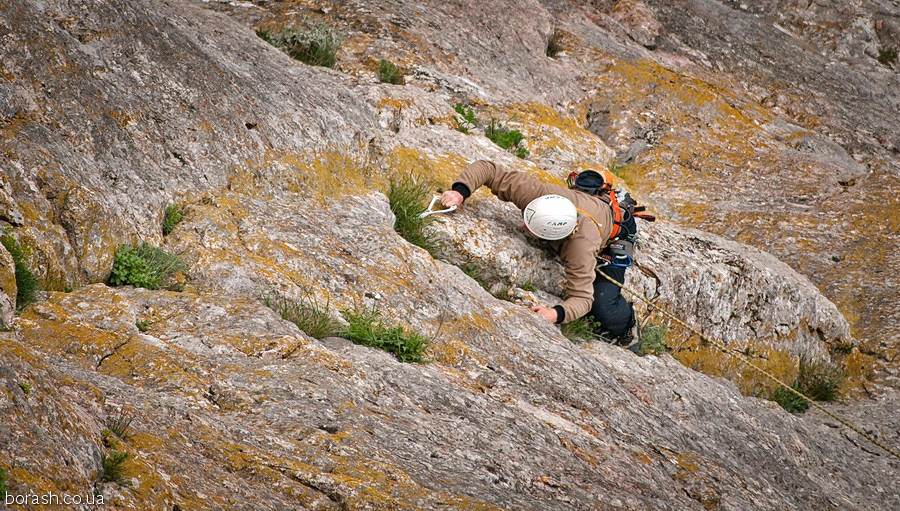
(611, 310)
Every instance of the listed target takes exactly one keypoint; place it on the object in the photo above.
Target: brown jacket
(578, 251)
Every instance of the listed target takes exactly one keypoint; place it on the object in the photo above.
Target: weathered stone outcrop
(111, 111)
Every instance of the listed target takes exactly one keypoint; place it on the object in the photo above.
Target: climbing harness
(619, 250)
(744, 359)
(432, 211)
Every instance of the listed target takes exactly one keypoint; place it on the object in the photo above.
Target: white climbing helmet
(551, 217)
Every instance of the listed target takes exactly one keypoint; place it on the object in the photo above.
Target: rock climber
(578, 224)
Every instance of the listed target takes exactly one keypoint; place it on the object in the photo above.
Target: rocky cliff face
(109, 112)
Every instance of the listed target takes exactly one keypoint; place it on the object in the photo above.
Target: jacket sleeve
(579, 258)
(508, 185)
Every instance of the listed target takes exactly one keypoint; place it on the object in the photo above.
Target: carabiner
(431, 211)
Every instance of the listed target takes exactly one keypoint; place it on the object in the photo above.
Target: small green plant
(579, 330)
(112, 469)
(817, 380)
(887, 56)
(474, 272)
(408, 198)
(529, 286)
(653, 340)
(26, 388)
(145, 266)
(174, 215)
(26, 283)
(388, 72)
(306, 313)
(367, 328)
(844, 348)
(618, 170)
(120, 425)
(3, 488)
(506, 138)
(554, 44)
(314, 43)
(820, 380)
(788, 400)
(143, 326)
(465, 123)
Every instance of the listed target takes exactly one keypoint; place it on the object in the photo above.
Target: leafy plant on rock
(653, 340)
(367, 328)
(465, 122)
(174, 215)
(112, 469)
(313, 42)
(579, 330)
(388, 72)
(817, 380)
(26, 283)
(145, 266)
(506, 138)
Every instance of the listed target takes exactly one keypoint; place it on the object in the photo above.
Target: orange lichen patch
(711, 360)
(319, 173)
(452, 352)
(439, 169)
(323, 359)
(147, 365)
(569, 445)
(82, 342)
(643, 458)
(858, 369)
(687, 464)
(40, 484)
(121, 118)
(380, 486)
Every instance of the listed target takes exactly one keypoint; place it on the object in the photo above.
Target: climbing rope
(748, 362)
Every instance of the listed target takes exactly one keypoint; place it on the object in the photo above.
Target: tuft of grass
(653, 340)
(554, 44)
(120, 425)
(506, 138)
(145, 266)
(579, 330)
(474, 272)
(174, 215)
(408, 198)
(465, 122)
(26, 283)
(3, 488)
(388, 72)
(112, 469)
(26, 388)
(306, 313)
(529, 286)
(618, 170)
(313, 42)
(367, 328)
(788, 400)
(818, 380)
(844, 348)
(887, 56)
